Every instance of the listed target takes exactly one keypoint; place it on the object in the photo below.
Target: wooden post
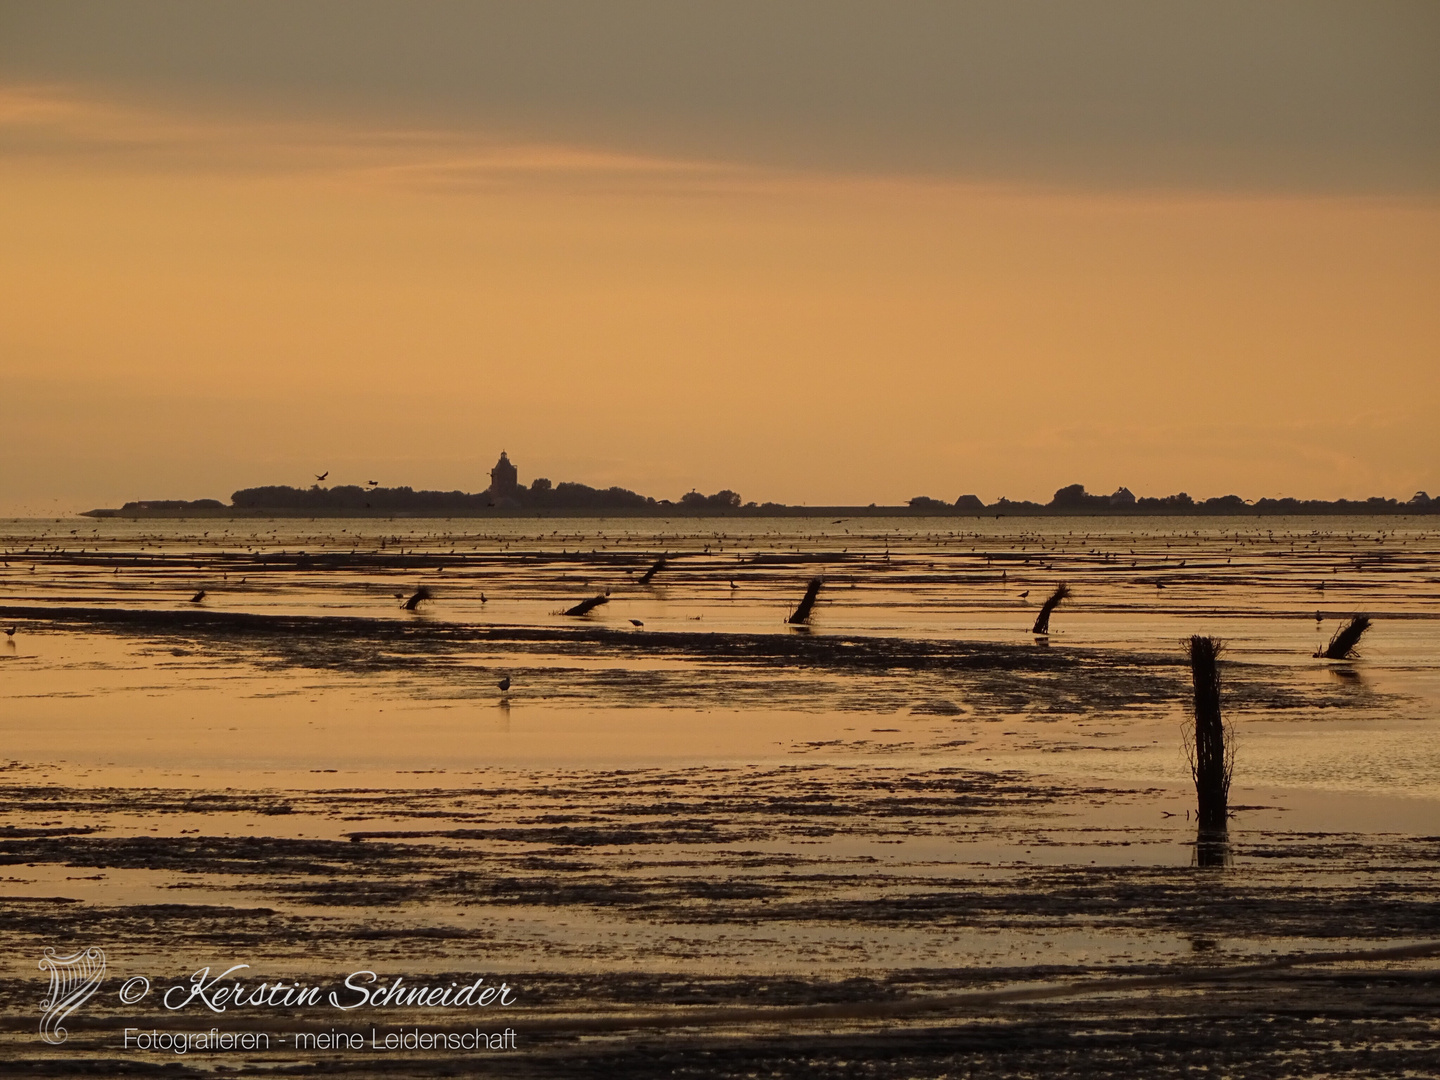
(1211, 760)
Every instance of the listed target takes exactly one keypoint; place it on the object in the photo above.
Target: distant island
(507, 497)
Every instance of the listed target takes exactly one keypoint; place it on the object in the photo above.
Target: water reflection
(1212, 848)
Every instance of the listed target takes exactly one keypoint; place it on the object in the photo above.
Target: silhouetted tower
(503, 478)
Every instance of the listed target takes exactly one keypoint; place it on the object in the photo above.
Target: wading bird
(504, 683)
(198, 597)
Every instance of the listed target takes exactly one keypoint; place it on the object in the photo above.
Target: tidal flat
(698, 841)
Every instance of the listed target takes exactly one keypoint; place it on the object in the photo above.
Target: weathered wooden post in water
(1210, 745)
(807, 604)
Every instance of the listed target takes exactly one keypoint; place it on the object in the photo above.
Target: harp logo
(73, 981)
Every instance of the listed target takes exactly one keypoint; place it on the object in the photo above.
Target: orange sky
(195, 298)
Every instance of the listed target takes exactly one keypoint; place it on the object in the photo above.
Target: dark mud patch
(728, 883)
(801, 672)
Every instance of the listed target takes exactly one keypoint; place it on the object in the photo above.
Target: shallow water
(332, 653)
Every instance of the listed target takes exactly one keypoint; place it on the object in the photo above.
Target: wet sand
(913, 798)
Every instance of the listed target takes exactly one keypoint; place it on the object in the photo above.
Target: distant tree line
(1074, 499)
(540, 495)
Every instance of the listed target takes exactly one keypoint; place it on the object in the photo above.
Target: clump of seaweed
(802, 613)
(1042, 621)
(421, 595)
(1209, 740)
(587, 606)
(1342, 645)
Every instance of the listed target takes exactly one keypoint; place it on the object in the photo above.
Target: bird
(320, 478)
(1024, 594)
(371, 483)
(1159, 585)
(483, 600)
(636, 622)
(504, 683)
(198, 597)
(10, 631)
(733, 585)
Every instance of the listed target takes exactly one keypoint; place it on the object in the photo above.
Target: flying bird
(504, 683)
(371, 483)
(198, 597)
(320, 479)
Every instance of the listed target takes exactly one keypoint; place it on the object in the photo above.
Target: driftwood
(802, 613)
(1342, 645)
(646, 577)
(1042, 621)
(587, 606)
(421, 595)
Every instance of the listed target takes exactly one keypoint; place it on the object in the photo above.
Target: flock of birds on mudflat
(1341, 646)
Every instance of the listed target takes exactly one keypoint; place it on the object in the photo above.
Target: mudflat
(910, 838)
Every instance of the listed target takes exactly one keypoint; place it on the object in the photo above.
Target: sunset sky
(814, 252)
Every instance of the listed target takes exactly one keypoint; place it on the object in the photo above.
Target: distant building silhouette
(503, 479)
